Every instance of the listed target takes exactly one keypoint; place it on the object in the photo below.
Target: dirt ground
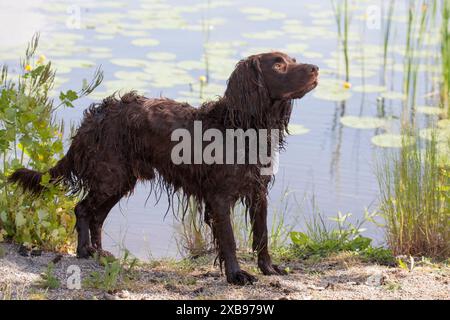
(334, 278)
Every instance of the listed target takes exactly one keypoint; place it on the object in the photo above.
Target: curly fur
(126, 139)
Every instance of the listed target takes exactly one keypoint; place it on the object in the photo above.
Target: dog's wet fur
(127, 139)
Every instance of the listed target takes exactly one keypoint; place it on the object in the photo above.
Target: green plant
(195, 235)
(48, 279)
(415, 189)
(321, 240)
(31, 137)
(115, 272)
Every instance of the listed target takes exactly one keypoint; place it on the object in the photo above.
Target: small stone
(124, 294)
(108, 296)
(36, 252)
(313, 287)
(171, 287)
(376, 280)
(275, 284)
(24, 251)
(330, 286)
(198, 290)
(57, 258)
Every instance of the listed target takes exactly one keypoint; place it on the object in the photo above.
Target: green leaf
(299, 238)
(68, 97)
(42, 214)
(20, 220)
(402, 264)
(45, 179)
(4, 216)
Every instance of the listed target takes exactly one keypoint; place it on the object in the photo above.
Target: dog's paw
(241, 278)
(85, 252)
(272, 269)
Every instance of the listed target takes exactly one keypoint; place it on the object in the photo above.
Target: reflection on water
(163, 48)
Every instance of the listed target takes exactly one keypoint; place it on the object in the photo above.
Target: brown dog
(121, 141)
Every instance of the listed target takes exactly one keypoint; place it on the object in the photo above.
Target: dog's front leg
(223, 232)
(258, 216)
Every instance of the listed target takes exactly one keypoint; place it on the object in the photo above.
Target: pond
(164, 47)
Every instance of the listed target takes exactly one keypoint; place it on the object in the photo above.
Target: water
(333, 162)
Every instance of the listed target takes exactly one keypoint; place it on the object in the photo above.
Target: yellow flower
(347, 85)
(28, 68)
(41, 59)
(202, 79)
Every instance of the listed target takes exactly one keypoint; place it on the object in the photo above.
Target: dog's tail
(30, 180)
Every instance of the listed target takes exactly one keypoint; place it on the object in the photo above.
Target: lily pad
(144, 42)
(443, 151)
(368, 88)
(262, 14)
(444, 124)
(312, 55)
(266, 35)
(441, 135)
(332, 90)
(297, 129)
(388, 140)
(191, 65)
(74, 63)
(363, 122)
(393, 95)
(129, 63)
(161, 56)
(430, 110)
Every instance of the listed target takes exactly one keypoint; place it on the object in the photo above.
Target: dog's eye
(278, 66)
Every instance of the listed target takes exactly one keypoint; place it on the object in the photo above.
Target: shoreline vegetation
(326, 259)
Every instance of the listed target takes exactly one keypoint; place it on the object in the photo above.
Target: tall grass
(341, 14)
(415, 190)
(445, 51)
(416, 28)
(195, 238)
(387, 36)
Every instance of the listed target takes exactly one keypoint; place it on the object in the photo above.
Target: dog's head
(261, 80)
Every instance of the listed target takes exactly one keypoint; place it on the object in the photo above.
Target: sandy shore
(338, 278)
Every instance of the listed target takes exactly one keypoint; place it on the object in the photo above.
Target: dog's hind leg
(97, 220)
(87, 211)
(83, 210)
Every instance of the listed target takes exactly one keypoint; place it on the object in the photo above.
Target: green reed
(445, 52)
(195, 237)
(386, 36)
(413, 44)
(415, 199)
(341, 13)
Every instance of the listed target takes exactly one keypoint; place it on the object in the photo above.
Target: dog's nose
(313, 68)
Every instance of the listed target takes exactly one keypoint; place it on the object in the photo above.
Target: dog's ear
(246, 95)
